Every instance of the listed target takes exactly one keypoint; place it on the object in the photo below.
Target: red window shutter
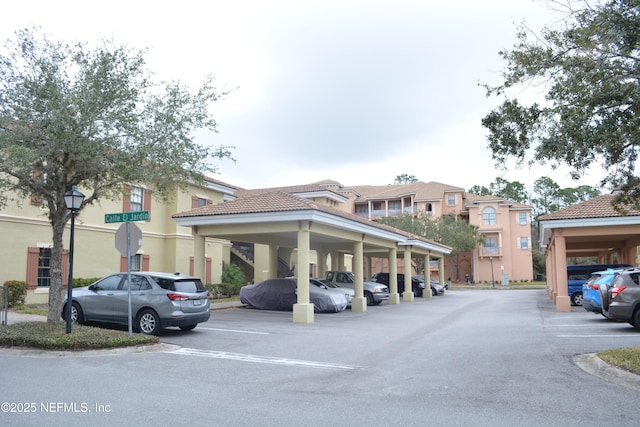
(32, 267)
(146, 260)
(146, 202)
(126, 201)
(209, 202)
(191, 269)
(123, 264)
(194, 202)
(208, 270)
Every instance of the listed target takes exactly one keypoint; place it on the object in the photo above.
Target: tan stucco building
(186, 234)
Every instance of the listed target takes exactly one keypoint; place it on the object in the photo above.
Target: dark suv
(416, 285)
(622, 300)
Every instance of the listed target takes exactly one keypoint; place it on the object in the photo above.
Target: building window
(44, 268)
(489, 216)
(201, 202)
(136, 262)
(362, 210)
(524, 243)
(451, 200)
(378, 209)
(490, 246)
(394, 208)
(429, 209)
(136, 199)
(522, 218)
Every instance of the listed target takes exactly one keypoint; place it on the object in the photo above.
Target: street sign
(134, 239)
(126, 217)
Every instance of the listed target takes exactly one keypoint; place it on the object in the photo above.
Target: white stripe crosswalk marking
(263, 359)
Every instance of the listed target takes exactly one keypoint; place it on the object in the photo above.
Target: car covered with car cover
(282, 294)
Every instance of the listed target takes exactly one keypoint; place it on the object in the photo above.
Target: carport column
(359, 302)
(198, 256)
(273, 263)
(407, 295)
(321, 268)
(427, 276)
(394, 296)
(303, 310)
(563, 301)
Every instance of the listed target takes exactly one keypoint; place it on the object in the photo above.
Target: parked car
(281, 294)
(436, 287)
(417, 286)
(375, 293)
(332, 287)
(621, 301)
(577, 275)
(591, 300)
(158, 300)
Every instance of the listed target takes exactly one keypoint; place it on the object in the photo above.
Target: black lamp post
(73, 200)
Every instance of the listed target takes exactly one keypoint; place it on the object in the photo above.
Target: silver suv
(158, 300)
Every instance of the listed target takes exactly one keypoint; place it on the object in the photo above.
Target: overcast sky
(358, 91)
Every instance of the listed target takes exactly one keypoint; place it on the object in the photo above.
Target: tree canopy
(588, 71)
(405, 179)
(93, 118)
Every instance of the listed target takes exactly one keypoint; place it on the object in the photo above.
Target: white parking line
(234, 330)
(599, 336)
(262, 359)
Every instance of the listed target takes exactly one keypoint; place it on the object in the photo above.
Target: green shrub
(17, 292)
(233, 279)
(53, 336)
(82, 282)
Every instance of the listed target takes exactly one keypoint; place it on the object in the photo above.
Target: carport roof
(586, 219)
(278, 205)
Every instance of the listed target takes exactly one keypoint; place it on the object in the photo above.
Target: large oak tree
(92, 117)
(588, 68)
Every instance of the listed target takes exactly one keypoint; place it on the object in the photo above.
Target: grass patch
(39, 309)
(623, 358)
(53, 336)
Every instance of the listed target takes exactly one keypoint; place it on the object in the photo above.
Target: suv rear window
(186, 285)
(189, 286)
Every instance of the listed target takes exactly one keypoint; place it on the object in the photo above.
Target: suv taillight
(616, 290)
(177, 297)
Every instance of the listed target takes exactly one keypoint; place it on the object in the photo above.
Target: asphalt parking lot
(468, 358)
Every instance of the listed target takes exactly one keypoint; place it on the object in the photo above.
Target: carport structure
(279, 219)
(588, 229)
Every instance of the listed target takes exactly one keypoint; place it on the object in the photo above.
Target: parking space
(477, 357)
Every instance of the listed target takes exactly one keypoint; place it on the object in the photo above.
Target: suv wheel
(369, 298)
(576, 299)
(149, 322)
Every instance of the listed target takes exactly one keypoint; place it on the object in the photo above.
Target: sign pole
(129, 279)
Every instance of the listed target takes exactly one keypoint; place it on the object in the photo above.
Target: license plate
(197, 302)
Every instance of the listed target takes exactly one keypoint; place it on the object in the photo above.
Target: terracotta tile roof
(305, 188)
(280, 201)
(260, 202)
(421, 190)
(598, 207)
(472, 199)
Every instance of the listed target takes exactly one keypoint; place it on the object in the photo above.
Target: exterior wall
(167, 246)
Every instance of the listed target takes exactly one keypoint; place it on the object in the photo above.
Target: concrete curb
(593, 365)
